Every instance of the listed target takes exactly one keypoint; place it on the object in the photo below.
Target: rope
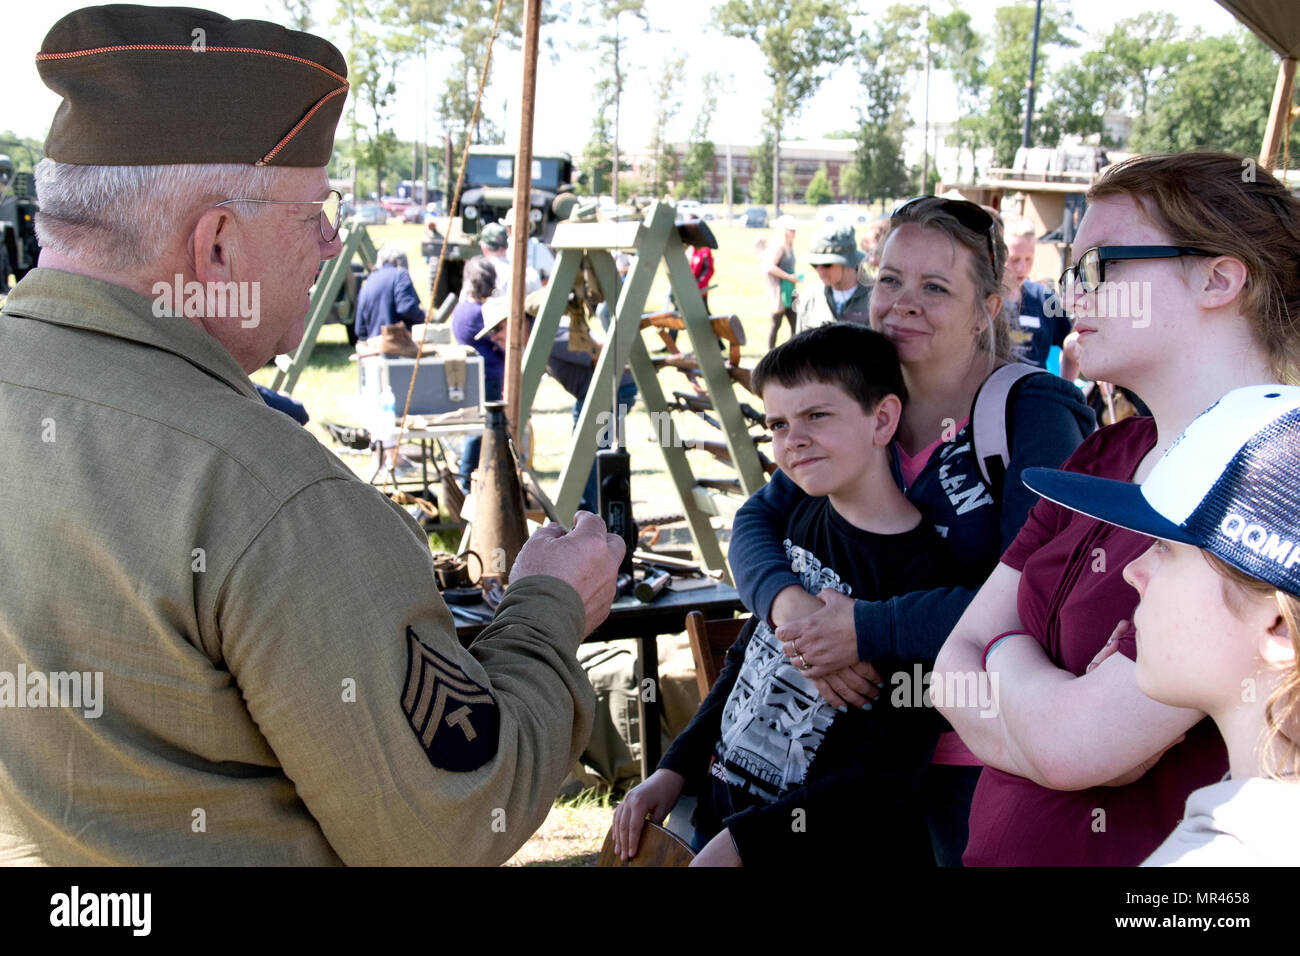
(442, 255)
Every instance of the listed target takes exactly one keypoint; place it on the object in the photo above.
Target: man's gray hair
(123, 217)
(393, 255)
(1014, 227)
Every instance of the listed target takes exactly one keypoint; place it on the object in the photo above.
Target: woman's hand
(825, 641)
(652, 798)
(719, 851)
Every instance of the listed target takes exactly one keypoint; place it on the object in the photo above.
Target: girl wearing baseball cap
(1218, 621)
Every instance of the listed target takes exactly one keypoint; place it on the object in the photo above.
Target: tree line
(1180, 88)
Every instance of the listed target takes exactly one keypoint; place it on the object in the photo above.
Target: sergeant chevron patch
(455, 720)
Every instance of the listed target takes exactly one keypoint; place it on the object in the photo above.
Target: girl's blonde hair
(1282, 712)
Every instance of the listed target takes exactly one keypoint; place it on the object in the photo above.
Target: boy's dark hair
(862, 362)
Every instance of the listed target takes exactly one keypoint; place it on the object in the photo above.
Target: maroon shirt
(1072, 594)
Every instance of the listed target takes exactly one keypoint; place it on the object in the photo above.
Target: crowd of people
(982, 631)
(1095, 685)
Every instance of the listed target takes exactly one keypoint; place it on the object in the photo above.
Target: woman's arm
(1061, 731)
(757, 557)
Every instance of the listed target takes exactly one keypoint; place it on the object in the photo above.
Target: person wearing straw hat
(230, 650)
(843, 297)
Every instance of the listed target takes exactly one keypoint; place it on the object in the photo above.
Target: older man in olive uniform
(843, 297)
(216, 645)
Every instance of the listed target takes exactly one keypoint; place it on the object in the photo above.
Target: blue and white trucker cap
(1229, 484)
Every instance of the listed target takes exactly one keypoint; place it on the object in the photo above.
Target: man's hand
(855, 686)
(585, 558)
(652, 798)
(719, 851)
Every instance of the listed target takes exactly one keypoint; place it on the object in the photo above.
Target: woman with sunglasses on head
(1185, 289)
(937, 298)
(1218, 623)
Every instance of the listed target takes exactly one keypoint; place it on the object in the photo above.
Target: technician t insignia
(456, 720)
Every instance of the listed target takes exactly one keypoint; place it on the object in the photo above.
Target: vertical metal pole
(730, 188)
(1033, 72)
(519, 235)
(925, 140)
(618, 101)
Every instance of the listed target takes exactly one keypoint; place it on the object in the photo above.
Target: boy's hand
(652, 798)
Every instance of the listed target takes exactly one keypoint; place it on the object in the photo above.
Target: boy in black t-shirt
(783, 776)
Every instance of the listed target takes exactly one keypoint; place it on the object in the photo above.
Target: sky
(564, 107)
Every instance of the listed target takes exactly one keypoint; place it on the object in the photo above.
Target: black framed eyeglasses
(331, 209)
(1090, 269)
(969, 214)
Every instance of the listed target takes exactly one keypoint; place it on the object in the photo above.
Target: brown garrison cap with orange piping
(146, 86)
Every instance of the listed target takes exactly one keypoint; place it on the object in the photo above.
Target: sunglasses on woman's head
(969, 214)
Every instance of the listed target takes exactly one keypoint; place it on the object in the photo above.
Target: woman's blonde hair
(1282, 712)
(986, 270)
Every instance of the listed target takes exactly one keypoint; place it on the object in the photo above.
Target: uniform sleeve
(758, 561)
(405, 747)
(405, 299)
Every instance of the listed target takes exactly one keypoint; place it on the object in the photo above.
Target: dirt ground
(571, 836)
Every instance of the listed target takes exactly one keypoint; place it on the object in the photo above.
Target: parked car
(413, 213)
(755, 218)
(395, 205)
(371, 214)
(842, 212)
(689, 207)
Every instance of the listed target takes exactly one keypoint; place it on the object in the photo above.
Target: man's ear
(1224, 280)
(889, 410)
(213, 241)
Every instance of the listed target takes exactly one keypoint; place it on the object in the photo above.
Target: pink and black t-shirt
(1072, 594)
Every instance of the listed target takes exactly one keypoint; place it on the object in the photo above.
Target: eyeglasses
(1090, 270)
(330, 210)
(970, 215)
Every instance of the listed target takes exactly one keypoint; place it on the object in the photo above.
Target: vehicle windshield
(499, 171)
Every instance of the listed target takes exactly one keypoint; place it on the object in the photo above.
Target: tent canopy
(1276, 22)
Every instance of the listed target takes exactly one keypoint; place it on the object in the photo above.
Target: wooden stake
(523, 221)
(1279, 117)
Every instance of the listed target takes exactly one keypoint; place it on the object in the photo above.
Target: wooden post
(1279, 117)
(523, 221)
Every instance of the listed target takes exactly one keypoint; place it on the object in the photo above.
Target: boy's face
(821, 437)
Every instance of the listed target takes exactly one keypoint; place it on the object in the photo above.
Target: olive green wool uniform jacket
(279, 679)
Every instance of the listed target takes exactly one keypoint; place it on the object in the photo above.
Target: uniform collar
(76, 301)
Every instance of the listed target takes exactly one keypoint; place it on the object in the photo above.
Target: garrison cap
(145, 86)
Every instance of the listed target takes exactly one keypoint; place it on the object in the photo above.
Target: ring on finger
(803, 663)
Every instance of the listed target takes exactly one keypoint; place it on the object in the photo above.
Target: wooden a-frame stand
(356, 242)
(655, 240)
